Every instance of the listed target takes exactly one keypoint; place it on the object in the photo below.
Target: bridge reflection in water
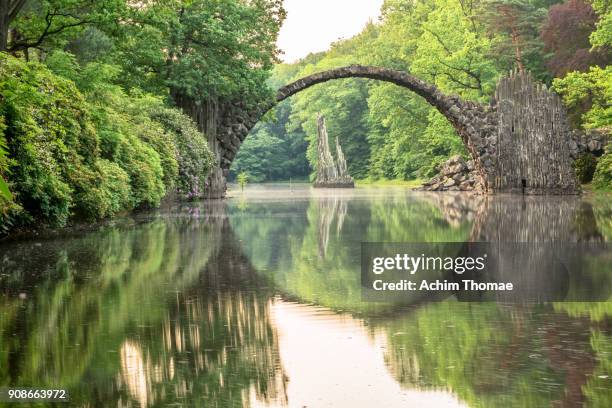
(256, 302)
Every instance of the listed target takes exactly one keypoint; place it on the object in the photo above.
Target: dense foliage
(221, 49)
(89, 125)
(461, 46)
(588, 94)
(602, 179)
(94, 153)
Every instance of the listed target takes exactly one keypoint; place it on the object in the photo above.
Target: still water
(255, 302)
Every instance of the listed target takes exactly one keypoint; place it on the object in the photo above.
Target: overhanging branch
(49, 31)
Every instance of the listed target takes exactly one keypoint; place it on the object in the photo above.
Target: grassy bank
(399, 183)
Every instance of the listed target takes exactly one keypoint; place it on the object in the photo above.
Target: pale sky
(312, 25)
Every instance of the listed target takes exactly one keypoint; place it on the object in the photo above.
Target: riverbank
(385, 183)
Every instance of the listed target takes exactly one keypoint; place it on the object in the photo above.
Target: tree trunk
(518, 54)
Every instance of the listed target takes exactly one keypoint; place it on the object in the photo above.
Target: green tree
(260, 155)
(243, 179)
(517, 23)
(47, 24)
(203, 49)
(588, 96)
(602, 36)
(271, 152)
(453, 48)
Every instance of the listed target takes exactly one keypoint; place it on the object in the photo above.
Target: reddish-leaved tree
(566, 37)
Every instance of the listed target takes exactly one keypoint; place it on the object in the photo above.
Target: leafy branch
(49, 30)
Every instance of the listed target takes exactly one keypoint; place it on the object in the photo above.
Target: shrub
(585, 167)
(67, 154)
(138, 160)
(111, 193)
(139, 109)
(115, 187)
(129, 137)
(49, 136)
(602, 179)
(587, 95)
(70, 157)
(193, 154)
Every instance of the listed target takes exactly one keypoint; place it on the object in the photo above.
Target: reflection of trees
(489, 354)
(216, 351)
(320, 266)
(542, 265)
(267, 232)
(141, 313)
(316, 265)
(514, 356)
(534, 219)
(420, 218)
(602, 209)
(493, 355)
(172, 310)
(597, 389)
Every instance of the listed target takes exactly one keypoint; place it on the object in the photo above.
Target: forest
(463, 47)
(96, 97)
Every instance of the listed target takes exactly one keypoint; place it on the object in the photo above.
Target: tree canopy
(461, 46)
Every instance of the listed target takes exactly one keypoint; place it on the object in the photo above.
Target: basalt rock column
(343, 173)
(208, 117)
(532, 150)
(330, 174)
(326, 168)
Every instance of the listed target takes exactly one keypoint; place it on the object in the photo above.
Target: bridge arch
(461, 114)
(429, 92)
(505, 139)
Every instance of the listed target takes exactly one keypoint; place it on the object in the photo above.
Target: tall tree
(201, 49)
(453, 48)
(518, 23)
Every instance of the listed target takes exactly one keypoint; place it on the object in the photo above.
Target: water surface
(256, 301)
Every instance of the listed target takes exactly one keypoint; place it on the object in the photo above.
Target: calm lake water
(255, 301)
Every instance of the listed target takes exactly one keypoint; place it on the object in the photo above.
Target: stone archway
(519, 143)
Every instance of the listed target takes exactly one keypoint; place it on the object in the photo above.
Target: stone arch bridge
(519, 143)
